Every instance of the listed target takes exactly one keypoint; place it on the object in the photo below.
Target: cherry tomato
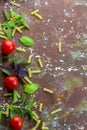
(11, 82)
(16, 123)
(7, 47)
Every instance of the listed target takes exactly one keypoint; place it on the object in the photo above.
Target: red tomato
(7, 47)
(11, 82)
(16, 123)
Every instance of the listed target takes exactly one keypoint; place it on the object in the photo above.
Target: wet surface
(65, 73)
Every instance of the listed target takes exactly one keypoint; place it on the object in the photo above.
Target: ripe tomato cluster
(11, 82)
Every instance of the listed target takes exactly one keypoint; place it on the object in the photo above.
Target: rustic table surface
(65, 72)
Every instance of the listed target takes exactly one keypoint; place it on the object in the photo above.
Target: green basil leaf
(19, 18)
(26, 41)
(0, 115)
(5, 24)
(31, 103)
(31, 88)
(30, 106)
(11, 24)
(30, 113)
(15, 97)
(23, 21)
(14, 14)
(11, 107)
(14, 60)
(25, 24)
(6, 72)
(20, 62)
(14, 112)
(6, 15)
(9, 33)
(23, 98)
(17, 61)
(22, 113)
(6, 57)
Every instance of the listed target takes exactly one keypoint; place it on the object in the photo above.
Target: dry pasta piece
(40, 107)
(27, 79)
(21, 27)
(18, 29)
(34, 114)
(29, 73)
(38, 123)
(43, 124)
(55, 111)
(13, 33)
(35, 11)
(20, 49)
(15, 4)
(29, 59)
(48, 90)
(35, 119)
(40, 63)
(60, 47)
(35, 71)
(45, 128)
(1, 33)
(38, 16)
(3, 37)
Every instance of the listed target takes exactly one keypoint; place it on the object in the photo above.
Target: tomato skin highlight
(7, 47)
(16, 123)
(11, 82)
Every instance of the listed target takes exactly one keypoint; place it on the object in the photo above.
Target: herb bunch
(16, 109)
(13, 23)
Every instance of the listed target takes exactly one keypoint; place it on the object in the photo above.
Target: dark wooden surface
(65, 21)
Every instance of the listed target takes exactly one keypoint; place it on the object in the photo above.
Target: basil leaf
(6, 57)
(0, 115)
(26, 41)
(19, 18)
(30, 106)
(9, 33)
(22, 113)
(6, 72)
(14, 112)
(11, 24)
(15, 97)
(31, 113)
(20, 62)
(31, 103)
(23, 98)
(6, 15)
(14, 14)
(17, 61)
(23, 21)
(14, 60)
(5, 24)
(11, 107)
(31, 88)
